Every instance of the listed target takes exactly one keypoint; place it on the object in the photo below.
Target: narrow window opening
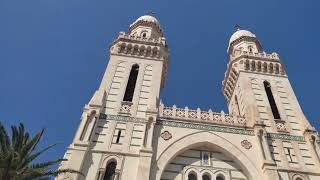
(131, 83)
(110, 171)
(237, 104)
(289, 154)
(144, 35)
(205, 158)
(192, 176)
(271, 100)
(206, 177)
(118, 136)
(220, 177)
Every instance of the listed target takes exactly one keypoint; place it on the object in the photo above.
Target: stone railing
(138, 38)
(125, 107)
(200, 116)
(238, 53)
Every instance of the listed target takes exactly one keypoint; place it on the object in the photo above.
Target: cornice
(258, 58)
(205, 126)
(243, 38)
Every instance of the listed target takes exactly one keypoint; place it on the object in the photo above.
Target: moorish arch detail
(207, 139)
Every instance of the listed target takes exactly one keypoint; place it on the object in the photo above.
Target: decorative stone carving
(166, 135)
(125, 107)
(246, 144)
(281, 126)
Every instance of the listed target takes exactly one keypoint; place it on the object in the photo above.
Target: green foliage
(18, 152)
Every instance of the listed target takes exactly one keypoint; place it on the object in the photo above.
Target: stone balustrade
(200, 116)
(238, 53)
(138, 38)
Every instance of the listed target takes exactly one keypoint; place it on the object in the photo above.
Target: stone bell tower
(257, 87)
(116, 126)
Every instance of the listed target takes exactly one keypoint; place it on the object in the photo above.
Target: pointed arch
(259, 66)
(253, 65)
(247, 65)
(207, 138)
(110, 172)
(265, 67)
(277, 69)
(270, 68)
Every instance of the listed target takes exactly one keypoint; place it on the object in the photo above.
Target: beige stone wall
(149, 141)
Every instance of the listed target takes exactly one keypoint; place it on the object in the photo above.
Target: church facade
(127, 133)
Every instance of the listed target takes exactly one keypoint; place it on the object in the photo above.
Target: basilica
(127, 133)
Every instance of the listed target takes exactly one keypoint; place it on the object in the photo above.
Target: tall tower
(126, 133)
(256, 86)
(116, 126)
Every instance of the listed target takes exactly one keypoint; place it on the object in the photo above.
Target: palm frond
(18, 152)
(46, 164)
(54, 173)
(4, 140)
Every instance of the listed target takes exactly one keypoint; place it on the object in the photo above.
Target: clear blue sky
(53, 54)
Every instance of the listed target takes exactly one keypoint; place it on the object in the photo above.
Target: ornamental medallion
(246, 144)
(166, 135)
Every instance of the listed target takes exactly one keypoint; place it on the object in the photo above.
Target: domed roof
(146, 18)
(240, 33)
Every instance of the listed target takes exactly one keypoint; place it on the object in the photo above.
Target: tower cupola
(244, 40)
(146, 26)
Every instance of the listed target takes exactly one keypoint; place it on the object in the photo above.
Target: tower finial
(238, 27)
(151, 13)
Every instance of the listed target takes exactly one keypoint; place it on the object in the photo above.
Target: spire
(151, 13)
(238, 27)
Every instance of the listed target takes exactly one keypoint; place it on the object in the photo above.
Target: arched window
(247, 65)
(298, 178)
(272, 102)
(144, 34)
(220, 177)
(250, 48)
(206, 177)
(110, 171)
(131, 83)
(192, 176)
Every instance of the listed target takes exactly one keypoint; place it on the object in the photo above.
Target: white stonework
(127, 133)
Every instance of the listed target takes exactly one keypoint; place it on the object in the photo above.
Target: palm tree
(18, 152)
